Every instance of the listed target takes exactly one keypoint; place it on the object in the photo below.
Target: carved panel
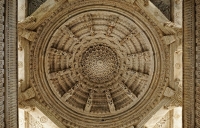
(164, 6)
(34, 5)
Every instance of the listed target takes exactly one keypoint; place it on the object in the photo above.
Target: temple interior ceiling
(106, 63)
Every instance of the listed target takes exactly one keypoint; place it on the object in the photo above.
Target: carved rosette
(96, 63)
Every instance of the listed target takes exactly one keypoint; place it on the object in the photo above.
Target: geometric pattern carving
(90, 63)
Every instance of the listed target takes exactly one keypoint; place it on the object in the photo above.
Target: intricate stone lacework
(99, 64)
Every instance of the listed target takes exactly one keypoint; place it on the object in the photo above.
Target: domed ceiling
(99, 63)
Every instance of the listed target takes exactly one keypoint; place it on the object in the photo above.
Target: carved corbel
(26, 95)
(26, 22)
(169, 39)
(27, 34)
(176, 98)
(169, 92)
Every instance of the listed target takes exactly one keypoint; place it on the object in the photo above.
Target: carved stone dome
(97, 62)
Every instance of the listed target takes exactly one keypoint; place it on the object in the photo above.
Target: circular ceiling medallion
(97, 63)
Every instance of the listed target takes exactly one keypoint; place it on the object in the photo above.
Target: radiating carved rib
(128, 92)
(59, 73)
(134, 32)
(66, 30)
(89, 23)
(112, 23)
(110, 101)
(68, 94)
(89, 101)
(145, 54)
(59, 52)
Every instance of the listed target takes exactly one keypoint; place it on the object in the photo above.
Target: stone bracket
(26, 95)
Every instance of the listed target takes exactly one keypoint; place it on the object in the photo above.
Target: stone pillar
(8, 64)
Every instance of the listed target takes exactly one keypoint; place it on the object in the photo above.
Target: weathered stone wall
(8, 64)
